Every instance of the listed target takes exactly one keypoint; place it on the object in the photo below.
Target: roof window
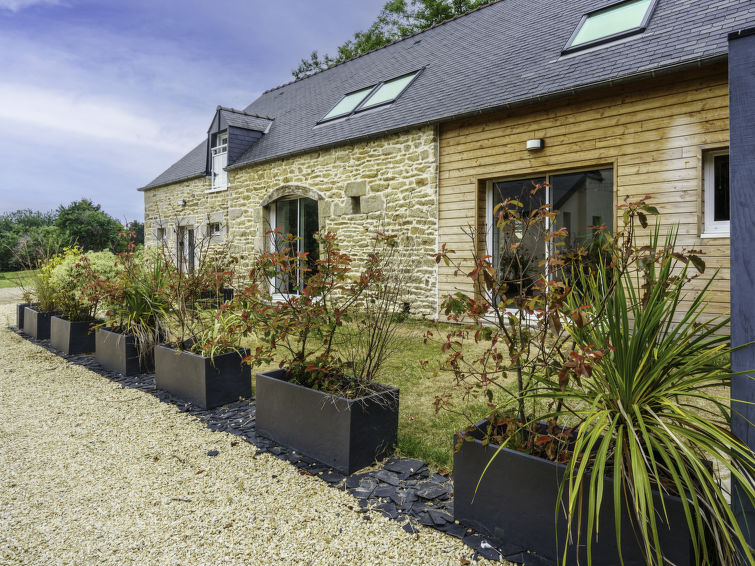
(348, 103)
(371, 97)
(388, 91)
(611, 23)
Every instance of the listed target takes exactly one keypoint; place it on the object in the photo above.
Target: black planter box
(20, 307)
(72, 337)
(37, 323)
(516, 504)
(117, 352)
(206, 382)
(347, 434)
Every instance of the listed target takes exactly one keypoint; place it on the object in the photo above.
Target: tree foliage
(397, 19)
(28, 236)
(89, 227)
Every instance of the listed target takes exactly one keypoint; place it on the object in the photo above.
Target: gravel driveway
(96, 474)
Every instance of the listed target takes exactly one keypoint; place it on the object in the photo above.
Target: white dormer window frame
(219, 156)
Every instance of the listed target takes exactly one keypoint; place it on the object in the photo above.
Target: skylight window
(348, 103)
(370, 97)
(611, 23)
(389, 91)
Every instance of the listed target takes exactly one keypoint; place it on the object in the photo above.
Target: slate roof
(246, 120)
(505, 54)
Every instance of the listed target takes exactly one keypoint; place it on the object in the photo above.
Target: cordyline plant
(132, 298)
(647, 382)
(620, 349)
(301, 329)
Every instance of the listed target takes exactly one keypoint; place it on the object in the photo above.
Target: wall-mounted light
(182, 202)
(535, 144)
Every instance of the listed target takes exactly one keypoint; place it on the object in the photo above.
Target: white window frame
(711, 227)
(272, 216)
(220, 152)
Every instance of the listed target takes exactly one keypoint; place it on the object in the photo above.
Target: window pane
(309, 224)
(521, 267)
(612, 20)
(299, 218)
(721, 188)
(348, 103)
(582, 199)
(389, 90)
(286, 218)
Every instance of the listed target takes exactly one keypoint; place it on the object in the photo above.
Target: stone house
(602, 99)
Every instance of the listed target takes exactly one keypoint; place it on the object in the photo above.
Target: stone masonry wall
(391, 181)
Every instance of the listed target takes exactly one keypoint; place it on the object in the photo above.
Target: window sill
(708, 235)
(218, 190)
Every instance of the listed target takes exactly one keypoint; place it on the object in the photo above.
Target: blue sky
(97, 97)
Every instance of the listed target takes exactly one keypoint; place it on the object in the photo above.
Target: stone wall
(387, 184)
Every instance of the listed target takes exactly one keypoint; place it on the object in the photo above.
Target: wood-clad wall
(652, 132)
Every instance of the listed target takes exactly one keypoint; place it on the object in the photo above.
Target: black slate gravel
(403, 490)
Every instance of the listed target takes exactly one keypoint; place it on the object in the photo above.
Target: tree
(23, 236)
(138, 229)
(85, 224)
(397, 19)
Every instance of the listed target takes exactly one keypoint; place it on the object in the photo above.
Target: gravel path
(10, 295)
(96, 474)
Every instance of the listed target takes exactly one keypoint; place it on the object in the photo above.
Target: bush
(71, 276)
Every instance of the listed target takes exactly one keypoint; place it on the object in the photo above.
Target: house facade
(422, 137)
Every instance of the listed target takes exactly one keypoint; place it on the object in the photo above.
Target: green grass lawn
(15, 279)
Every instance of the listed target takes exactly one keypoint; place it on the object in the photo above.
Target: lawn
(15, 279)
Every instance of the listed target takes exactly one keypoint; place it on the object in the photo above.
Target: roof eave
(173, 182)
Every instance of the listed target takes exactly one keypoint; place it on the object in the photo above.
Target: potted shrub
(603, 347)
(42, 295)
(72, 330)
(201, 362)
(132, 302)
(330, 337)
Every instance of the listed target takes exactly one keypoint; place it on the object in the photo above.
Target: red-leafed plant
(306, 329)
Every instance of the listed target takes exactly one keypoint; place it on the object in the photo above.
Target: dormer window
(611, 23)
(220, 162)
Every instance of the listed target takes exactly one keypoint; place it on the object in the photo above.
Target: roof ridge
(244, 112)
(405, 38)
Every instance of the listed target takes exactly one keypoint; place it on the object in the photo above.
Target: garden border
(402, 489)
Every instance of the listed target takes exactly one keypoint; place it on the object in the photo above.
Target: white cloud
(98, 118)
(17, 5)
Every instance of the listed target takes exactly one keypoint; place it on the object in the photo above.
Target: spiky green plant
(647, 384)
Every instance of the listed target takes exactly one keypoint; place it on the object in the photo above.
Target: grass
(16, 279)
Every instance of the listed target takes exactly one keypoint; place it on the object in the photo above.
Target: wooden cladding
(652, 132)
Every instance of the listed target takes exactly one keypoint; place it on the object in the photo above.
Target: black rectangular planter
(347, 434)
(117, 352)
(37, 323)
(206, 382)
(20, 307)
(516, 504)
(72, 337)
